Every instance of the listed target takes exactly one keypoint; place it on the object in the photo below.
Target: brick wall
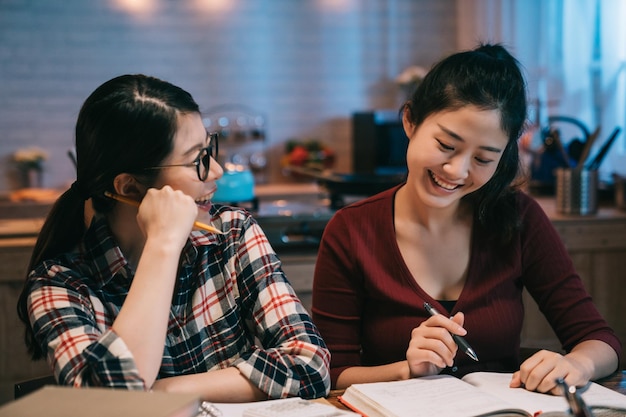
(306, 65)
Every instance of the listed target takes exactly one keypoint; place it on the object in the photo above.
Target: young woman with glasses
(140, 299)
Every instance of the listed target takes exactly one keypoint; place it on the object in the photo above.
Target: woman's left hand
(541, 371)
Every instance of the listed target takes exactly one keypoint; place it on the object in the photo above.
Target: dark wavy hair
(490, 78)
(126, 125)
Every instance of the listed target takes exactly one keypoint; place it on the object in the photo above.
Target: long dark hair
(126, 125)
(490, 78)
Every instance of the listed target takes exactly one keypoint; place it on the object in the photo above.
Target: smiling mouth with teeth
(443, 184)
(203, 202)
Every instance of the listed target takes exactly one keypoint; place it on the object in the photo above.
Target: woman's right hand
(431, 347)
(167, 215)
(165, 218)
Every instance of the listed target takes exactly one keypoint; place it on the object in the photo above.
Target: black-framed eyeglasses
(202, 161)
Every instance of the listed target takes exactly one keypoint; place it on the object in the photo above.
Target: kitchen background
(301, 68)
(271, 71)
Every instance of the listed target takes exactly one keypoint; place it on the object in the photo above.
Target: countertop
(24, 219)
(16, 228)
(605, 212)
(301, 194)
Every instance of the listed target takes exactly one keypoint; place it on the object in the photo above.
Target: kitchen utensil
(552, 154)
(131, 202)
(570, 120)
(575, 149)
(597, 160)
(588, 144)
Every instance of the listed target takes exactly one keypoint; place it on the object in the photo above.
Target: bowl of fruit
(306, 156)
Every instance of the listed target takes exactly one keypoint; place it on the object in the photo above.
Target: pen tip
(472, 354)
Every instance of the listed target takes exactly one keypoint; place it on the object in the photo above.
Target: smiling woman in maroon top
(459, 236)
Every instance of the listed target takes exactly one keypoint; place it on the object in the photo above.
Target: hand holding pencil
(434, 346)
(460, 341)
(126, 200)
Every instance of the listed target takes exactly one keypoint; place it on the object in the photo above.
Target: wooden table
(616, 382)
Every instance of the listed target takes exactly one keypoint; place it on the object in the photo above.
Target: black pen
(465, 347)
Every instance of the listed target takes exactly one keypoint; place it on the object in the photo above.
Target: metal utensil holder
(576, 191)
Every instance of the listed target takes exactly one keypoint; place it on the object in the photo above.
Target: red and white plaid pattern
(232, 306)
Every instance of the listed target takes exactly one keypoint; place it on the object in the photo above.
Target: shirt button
(455, 368)
(176, 331)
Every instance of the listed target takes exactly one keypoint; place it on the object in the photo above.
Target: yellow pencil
(135, 203)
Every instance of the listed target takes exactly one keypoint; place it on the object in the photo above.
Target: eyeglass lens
(205, 157)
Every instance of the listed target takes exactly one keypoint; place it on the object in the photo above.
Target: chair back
(26, 387)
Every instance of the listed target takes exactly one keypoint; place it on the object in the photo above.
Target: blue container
(234, 186)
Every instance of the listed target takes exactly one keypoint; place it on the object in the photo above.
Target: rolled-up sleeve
(294, 360)
(80, 352)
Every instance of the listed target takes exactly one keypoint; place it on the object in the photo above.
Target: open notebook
(289, 407)
(477, 394)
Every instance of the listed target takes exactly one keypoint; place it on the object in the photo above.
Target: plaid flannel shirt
(232, 306)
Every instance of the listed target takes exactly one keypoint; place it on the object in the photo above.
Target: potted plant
(30, 165)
